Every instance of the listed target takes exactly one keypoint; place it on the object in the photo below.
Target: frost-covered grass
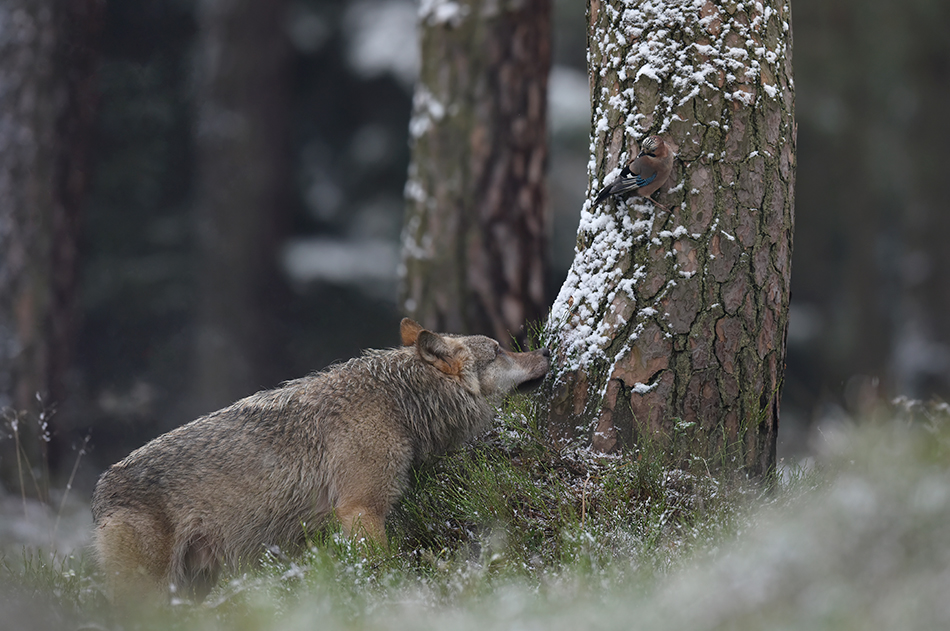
(515, 533)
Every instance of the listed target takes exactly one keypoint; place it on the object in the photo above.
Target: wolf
(215, 492)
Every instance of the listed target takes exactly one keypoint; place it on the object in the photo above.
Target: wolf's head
(479, 363)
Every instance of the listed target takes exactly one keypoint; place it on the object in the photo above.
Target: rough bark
(27, 161)
(47, 68)
(670, 328)
(476, 228)
(242, 153)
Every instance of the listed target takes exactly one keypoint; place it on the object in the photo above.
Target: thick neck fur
(436, 409)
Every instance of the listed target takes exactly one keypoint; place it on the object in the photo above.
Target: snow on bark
(653, 296)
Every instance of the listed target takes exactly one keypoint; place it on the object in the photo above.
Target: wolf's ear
(435, 350)
(409, 331)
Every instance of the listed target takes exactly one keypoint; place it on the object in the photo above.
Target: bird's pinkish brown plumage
(646, 174)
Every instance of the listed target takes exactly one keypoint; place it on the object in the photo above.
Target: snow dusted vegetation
(859, 542)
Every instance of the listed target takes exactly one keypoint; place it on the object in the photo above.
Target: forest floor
(515, 533)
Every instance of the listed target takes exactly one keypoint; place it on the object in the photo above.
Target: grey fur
(214, 492)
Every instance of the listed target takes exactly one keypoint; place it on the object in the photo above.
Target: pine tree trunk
(47, 105)
(476, 232)
(242, 149)
(670, 328)
(80, 24)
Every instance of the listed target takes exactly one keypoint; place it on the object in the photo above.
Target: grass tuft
(514, 531)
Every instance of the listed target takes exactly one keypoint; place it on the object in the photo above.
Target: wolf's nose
(546, 352)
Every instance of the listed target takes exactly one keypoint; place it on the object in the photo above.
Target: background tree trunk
(243, 169)
(80, 24)
(670, 328)
(47, 59)
(476, 228)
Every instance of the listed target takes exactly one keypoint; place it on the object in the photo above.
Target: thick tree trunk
(46, 109)
(78, 52)
(241, 140)
(27, 163)
(670, 328)
(476, 232)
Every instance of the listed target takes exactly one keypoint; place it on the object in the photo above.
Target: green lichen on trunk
(671, 324)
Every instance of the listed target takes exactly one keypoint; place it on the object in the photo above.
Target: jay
(645, 174)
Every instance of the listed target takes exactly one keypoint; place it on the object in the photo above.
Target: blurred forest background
(334, 82)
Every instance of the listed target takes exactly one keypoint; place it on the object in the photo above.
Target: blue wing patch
(643, 182)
